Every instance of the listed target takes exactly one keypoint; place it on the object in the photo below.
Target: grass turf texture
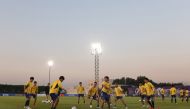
(68, 102)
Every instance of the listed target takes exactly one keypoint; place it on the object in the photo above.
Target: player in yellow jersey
(182, 94)
(150, 91)
(80, 92)
(142, 93)
(27, 91)
(173, 93)
(119, 95)
(55, 91)
(93, 94)
(162, 92)
(187, 95)
(105, 92)
(34, 92)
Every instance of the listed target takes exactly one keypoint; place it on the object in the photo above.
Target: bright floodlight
(96, 48)
(50, 63)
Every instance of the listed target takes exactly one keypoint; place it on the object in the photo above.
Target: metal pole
(49, 74)
(97, 67)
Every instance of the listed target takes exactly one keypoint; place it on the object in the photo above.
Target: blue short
(27, 95)
(105, 96)
(54, 96)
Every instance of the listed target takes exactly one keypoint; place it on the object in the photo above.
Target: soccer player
(47, 88)
(80, 92)
(119, 95)
(93, 94)
(27, 91)
(150, 90)
(182, 94)
(105, 92)
(187, 95)
(173, 92)
(54, 91)
(142, 92)
(34, 92)
(162, 92)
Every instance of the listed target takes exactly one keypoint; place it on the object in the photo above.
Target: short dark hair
(106, 77)
(95, 82)
(146, 79)
(35, 81)
(80, 82)
(62, 77)
(32, 78)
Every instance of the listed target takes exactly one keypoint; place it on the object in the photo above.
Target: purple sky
(138, 37)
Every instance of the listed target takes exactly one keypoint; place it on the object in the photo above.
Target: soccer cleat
(90, 106)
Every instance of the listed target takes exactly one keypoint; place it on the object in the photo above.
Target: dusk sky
(138, 37)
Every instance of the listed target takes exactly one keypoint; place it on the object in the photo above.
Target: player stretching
(105, 92)
(93, 94)
(119, 95)
(162, 92)
(187, 95)
(80, 91)
(54, 91)
(173, 93)
(142, 92)
(27, 91)
(150, 92)
(34, 92)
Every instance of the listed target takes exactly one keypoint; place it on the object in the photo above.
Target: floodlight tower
(96, 51)
(50, 64)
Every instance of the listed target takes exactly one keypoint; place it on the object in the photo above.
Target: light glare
(96, 48)
(50, 63)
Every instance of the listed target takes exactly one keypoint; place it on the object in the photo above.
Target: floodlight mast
(96, 51)
(50, 64)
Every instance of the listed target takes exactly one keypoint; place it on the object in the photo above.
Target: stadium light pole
(96, 50)
(50, 64)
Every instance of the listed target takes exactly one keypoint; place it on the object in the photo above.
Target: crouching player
(150, 90)
(93, 94)
(54, 91)
(34, 92)
(119, 95)
(105, 92)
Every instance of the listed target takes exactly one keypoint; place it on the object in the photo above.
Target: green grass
(68, 102)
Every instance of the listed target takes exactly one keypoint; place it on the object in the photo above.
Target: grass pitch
(68, 102)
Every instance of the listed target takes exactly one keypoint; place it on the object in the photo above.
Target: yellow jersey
(181, 92)
(118, 91)
(55, 87)
(173, 91)
(93, 91)
(106, 87)
(149, 89)
(142, 90)
(28, 87)
(80, 89)
(186, 93)
(34, 89)
(162, 91)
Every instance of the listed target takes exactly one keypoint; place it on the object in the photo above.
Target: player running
(162, 92)
(27, 91)
(80, 91)
(142, 93)
(54, 91)
(105, 92)
(47, 88)
(173, 93)
(34, 92)
(187, 95)
(93, 94)
(119, 95)
(150, 90)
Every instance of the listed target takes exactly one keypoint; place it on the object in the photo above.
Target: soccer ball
(74, 107)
